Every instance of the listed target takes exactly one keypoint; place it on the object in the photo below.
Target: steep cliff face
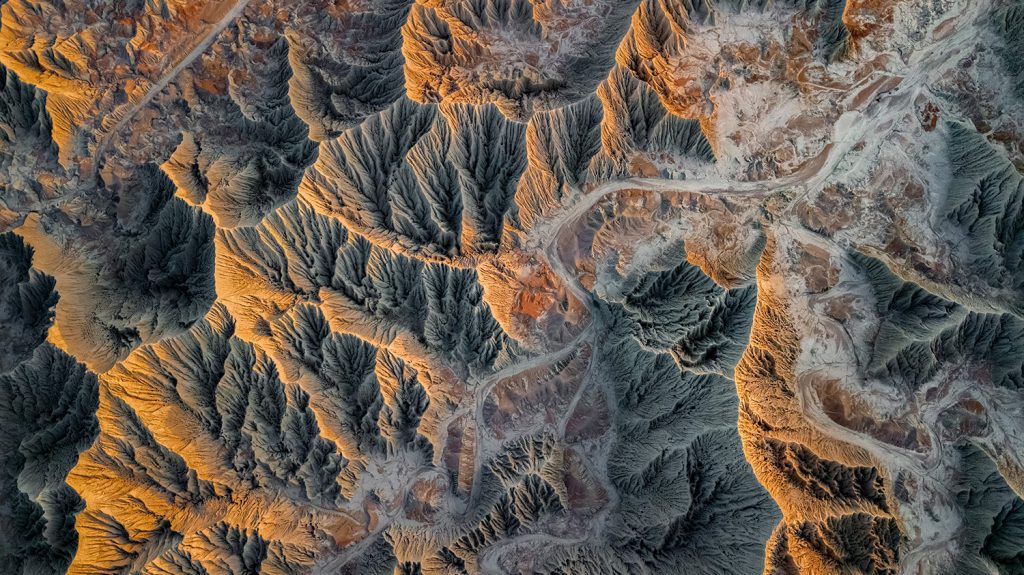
(47, 418)
(509, 286)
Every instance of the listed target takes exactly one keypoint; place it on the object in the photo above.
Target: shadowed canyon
(465, 287)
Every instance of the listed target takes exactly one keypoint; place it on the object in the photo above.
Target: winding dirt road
(234, 9)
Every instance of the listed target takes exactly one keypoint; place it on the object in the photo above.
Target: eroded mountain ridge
(510, 286)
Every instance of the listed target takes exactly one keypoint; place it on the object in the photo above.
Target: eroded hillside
(511, 286)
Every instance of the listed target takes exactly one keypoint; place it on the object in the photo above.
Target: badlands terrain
(460, 287)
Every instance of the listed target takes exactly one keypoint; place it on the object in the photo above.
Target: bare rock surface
(512, 286)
